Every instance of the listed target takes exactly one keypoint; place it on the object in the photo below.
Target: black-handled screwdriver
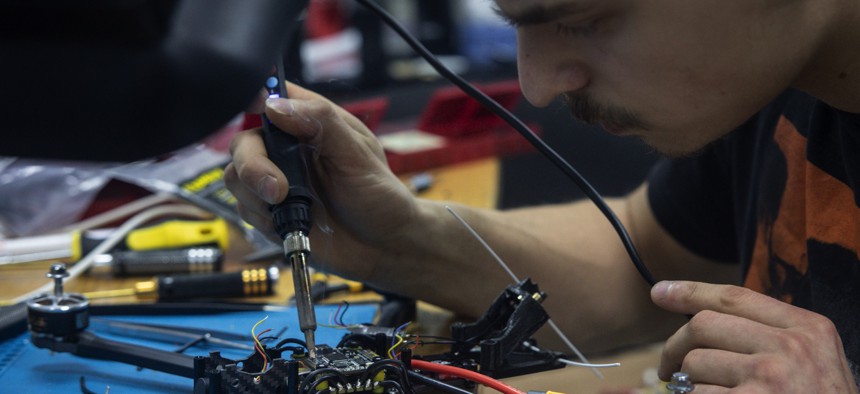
(158, 262)
(292, 217)
(253, 282)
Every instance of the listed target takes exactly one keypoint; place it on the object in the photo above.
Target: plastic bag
(38, 196)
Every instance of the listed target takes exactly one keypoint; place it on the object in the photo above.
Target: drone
(497, 345)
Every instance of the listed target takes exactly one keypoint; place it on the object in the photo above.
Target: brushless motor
(59, 314)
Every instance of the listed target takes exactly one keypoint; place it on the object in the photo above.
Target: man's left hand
(740, 339)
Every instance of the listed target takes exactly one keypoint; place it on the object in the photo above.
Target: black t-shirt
(779, 196)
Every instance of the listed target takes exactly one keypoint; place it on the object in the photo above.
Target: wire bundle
(258, 345)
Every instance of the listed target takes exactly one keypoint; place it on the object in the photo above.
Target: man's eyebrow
(538, 14)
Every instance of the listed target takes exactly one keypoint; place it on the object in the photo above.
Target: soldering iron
(292, 217)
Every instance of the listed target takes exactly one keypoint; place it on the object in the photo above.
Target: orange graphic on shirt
(814, 205)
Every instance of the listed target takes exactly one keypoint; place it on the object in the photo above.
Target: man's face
(677, 73)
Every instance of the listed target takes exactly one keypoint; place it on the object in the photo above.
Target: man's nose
(547, 69)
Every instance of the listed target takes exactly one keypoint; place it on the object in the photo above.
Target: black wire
(307, 385)
(395, 366)
(291, 340)
(541, 146)
(397, 386)
(345, 308)
(436, 384)
(362, 340)
(317, 382)
(84, 388)
(440, 337)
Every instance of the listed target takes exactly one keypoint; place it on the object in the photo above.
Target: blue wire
(396, 330)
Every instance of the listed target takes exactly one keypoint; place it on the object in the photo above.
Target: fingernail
(662, 289)
(281, 106)
(267, 188)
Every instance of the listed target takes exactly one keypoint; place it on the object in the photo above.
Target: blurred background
(341, 51)
(355, 56)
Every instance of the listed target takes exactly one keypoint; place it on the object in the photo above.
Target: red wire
(465, 374)
(262, 354)
(260, 349)
(263, 332)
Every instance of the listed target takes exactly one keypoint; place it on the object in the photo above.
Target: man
(774, 201)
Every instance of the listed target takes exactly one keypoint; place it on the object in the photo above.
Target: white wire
(115, 237)
(514, 277)
(574, 363)
(120, 212)
(578, 364)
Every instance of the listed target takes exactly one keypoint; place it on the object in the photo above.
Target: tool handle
(168, 234)
(293, 214)
(245, 283)
(171, 261)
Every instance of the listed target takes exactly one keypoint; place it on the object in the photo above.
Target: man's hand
(362, 206)
(740, 339)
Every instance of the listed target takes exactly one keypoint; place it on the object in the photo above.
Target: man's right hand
(362, 208)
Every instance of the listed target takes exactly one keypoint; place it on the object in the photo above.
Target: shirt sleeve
(692, 199)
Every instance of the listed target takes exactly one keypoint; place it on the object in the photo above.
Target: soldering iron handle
(293, 214)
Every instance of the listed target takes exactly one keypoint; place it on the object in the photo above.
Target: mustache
(590, 111)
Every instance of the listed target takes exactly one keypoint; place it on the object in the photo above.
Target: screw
(57, 273)
(680, 384)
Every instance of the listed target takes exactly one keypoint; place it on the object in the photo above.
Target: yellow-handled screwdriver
(72, 246)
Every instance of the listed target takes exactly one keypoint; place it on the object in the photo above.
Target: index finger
(298, 92)
(254, 169)
(693, 297)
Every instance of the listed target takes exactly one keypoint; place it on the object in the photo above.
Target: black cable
(345, 308)
(440, 337)
(317, 382)
(436, 384)
(422, 342)
(84, 389)
(392, 384)
(362, 340)
(306, 385)
(529, 135)
(395, 366)
(291, 340)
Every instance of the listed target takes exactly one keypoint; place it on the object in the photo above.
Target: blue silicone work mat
(27, 369)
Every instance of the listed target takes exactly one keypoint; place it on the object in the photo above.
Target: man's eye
(579, 30)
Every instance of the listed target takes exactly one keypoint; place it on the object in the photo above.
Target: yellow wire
(254, 335)
(399, 341)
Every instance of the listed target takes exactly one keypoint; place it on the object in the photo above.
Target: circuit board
(345, 360)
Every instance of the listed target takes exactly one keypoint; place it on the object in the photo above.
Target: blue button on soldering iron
(272, 86)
